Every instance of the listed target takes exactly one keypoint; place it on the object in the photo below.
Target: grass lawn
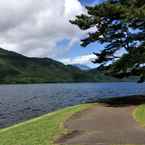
(39, 131)
(139, 114)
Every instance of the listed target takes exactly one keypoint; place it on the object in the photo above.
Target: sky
(37, 28)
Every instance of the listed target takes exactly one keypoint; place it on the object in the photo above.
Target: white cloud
(33, 27)
(84, 59)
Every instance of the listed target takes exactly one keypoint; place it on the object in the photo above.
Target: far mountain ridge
(82, 66)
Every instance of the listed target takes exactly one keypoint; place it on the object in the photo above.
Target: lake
(22, 102)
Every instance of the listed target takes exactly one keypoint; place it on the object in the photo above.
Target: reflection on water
(21, 102)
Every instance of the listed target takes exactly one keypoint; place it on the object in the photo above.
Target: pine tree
(119, 25)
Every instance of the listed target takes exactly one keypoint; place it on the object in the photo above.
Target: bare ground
(103, 125)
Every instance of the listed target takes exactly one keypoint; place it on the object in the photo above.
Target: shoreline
(41, 130)
(81, 82)
(72, 124)
(30, 113)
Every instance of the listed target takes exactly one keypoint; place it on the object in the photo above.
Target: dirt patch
(103, 125)
(68, 136)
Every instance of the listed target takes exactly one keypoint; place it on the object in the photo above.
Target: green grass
(139, 114)
(40, 131)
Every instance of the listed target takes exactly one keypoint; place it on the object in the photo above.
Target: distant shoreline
(66, 82)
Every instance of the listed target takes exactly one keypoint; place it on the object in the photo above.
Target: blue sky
(42, 29)
(90, 2)
(78, 51)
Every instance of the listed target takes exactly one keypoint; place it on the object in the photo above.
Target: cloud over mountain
(84, 59)
(34, 27)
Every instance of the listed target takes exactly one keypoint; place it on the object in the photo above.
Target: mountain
(82, 67)
(16, 68)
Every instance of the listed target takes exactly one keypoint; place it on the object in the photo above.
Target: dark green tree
(120, 26)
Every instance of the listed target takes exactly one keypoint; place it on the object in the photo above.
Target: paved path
(102, 125)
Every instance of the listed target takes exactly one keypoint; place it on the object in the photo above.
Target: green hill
(16, 68)
(99, 76)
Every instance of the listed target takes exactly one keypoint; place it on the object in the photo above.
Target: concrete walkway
(102, 125)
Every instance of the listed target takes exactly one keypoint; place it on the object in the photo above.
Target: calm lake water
(21, 102)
